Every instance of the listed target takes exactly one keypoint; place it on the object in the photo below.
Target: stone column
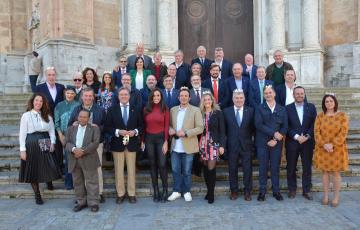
(311, 24)
(277, 24)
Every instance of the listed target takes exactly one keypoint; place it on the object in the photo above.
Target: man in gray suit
(197, 91)
(82, 141)
(139, 53)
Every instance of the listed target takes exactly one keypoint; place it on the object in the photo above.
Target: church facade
(320, 38)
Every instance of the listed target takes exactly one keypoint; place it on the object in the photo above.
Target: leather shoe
(292, 194)
(247, 196)
(261, 197)
(278, 196)
(78, 207)
(120, 199)
(132, 199)
(94, 208)
(233, 195)
(308, 196)
(102, 198)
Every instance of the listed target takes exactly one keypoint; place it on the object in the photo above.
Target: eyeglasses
(77, 79)
(123, 61)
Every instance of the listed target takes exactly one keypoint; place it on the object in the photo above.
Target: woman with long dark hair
(91, 79)
(106, 96)
(139, 74)
(37, 140)
(156, 122)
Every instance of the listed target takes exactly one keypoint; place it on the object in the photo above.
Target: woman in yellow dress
(331, 151)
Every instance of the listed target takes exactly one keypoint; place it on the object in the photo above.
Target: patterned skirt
(40, 166)
(208, 149)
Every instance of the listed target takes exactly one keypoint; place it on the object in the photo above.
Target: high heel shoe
(38, 199)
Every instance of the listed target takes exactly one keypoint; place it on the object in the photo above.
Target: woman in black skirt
(37, 140)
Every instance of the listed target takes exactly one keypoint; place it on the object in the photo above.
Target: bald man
(249, 69)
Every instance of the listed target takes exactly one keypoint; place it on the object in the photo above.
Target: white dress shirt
(179, 124)
(80, 136)
(31, 122)
(300, 113)
(289, 95)
(219, 64)
(271, 108)
(52, 90)
(139, 80)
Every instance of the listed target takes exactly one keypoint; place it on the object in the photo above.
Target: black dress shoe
(292, 194)
(94, 208)
(233, 195)
(206, 197)
(50, 186)
(261, 197)
(78, 207)
(38, 199)
(247, 196)
(308, 196)
(165, 195)
(132, 199)
(120, 199)
(102, 198)
(278, 196)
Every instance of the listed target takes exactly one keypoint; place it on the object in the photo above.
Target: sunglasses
(77, 79)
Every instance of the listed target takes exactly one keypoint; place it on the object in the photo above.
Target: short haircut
(298, 87)
(87, 89)
(179, 51)
(218, 49)
(86, 111)
(324, 109)
(214, 65)
(124, 88)
(35, 53)
(167, 76)
(184, 88)
(238, 92)
(261, 67)
(278, 51)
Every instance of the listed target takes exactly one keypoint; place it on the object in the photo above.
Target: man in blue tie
(170, 94)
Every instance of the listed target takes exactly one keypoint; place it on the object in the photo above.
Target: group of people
(191, 114)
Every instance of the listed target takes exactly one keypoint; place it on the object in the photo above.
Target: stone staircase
(12, 106)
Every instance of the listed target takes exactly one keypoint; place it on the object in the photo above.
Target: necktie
(202, 61)
(238, 118)
(261, 91)
(197, 94)
(215, 89)
(125, 115)
(168, 98)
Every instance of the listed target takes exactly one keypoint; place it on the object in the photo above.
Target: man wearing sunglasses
(119, 70)
(78, 85)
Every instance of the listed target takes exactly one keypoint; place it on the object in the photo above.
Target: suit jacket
(115, 121)
(231, 85)
(251, 76)
(254, 96)
(145, 92)
(281, 94)
(194, 99)
(174, 100)
(182, 76)
(163, 72)
(216, 127)
(239, 138)
(117, 77)
(146, 73)
(131, 61)
(205, 68)
(223, 91)
(295, 127)
(42, 88)
(226, 69)
(90, 161)
(267, 123)
(192, 125)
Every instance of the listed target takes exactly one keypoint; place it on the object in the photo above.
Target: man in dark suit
(82, 142)
(217, 86)
(225, 65)
(119, 70)
(78, 85)
(145, 92)
(249, 69)
(197, 91)
(182, 70)
(139, 53)
(170, 94)
(158, 69)
(300, 141)
(237, 81)
(271, 127)
(203, 61)
(284, 92)
(53, 91)
(256, 88)
(239, 120)
(124, 124)
(135, 95)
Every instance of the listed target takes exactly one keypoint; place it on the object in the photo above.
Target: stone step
(145, 190)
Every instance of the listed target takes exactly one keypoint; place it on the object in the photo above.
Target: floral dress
(209, 150)
(105, 99)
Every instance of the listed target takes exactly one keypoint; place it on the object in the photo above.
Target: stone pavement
(223, 214)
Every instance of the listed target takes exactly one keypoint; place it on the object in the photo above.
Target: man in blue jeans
(185, 124)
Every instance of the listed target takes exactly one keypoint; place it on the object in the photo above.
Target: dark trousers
(246, 165)
(272, 155)
(292, 156)
(153, 145)
(68, 176)
(33, 80)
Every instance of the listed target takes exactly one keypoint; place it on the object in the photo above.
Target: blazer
(90, 161)
(131, 61)
(194, 99)
(239, 138)
(267, 123)
(231, 85)
(281, 94)
(117, 77)
(205, 68)
(226, 69)
(192, 125)
(182, 76)
(216, 127)
(251, 76)
(114, 121)
(295, 127)
(174, 100)
(146, 73)
(254, 96)
(42, 88)
(223, 91)
(145, 92)
(163, 72)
